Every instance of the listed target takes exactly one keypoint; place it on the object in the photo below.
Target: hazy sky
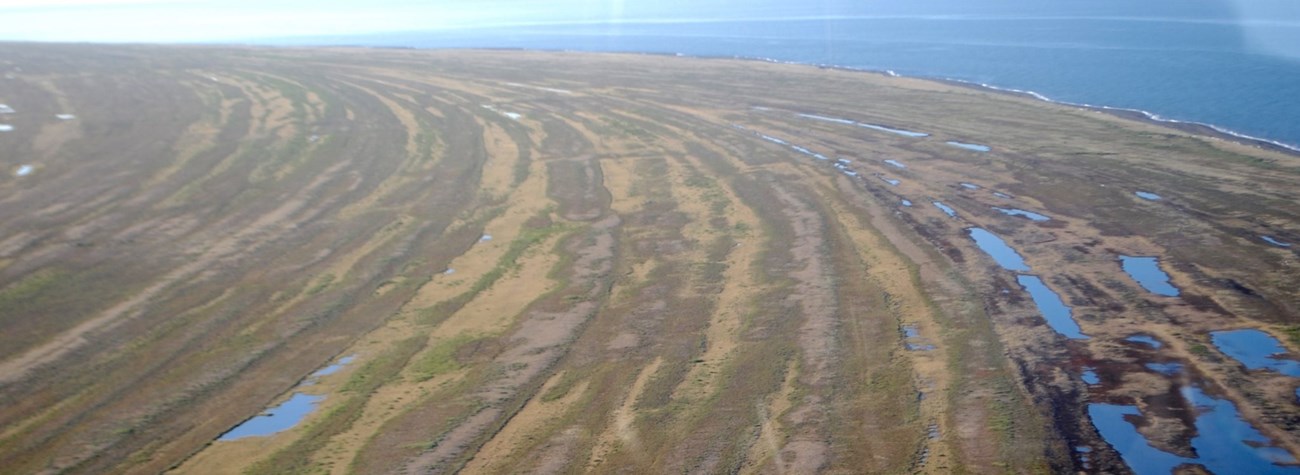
(234, 20)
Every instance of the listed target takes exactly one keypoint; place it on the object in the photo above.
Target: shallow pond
(905, 133)
(998, 249)
(1255, 349)
(1147, 195)
(1090, 376)
(895, 163)
(945, 208)
(912, 340)
(334, 368)
(6, 128)
(970, 186)
(1167, 369)
(1054, 310)
(907, 203)
(969, 146)
(1002, 195)
(1144, 339)
(1225, 443)
(1022, 213)
(276, 419)
(891, 181)
(1146, 271)
(1275, 242)
(826, 119)
(24, 170)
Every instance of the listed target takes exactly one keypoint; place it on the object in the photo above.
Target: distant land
(382, 260)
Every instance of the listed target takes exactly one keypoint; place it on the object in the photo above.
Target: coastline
(1195, 128)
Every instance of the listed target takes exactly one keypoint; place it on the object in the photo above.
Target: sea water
(1231, 64)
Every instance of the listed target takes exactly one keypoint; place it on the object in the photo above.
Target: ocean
(1237, 75)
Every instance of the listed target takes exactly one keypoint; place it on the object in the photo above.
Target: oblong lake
(1146, 271)
(995, 247)
(1054, 310)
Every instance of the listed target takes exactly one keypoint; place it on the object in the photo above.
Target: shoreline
(1195, 128)
(1191, 127)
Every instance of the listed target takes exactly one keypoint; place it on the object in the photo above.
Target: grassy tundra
(558, 262)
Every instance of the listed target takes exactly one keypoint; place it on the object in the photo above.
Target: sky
(171, 21)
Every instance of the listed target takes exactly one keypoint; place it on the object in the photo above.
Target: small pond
(998, 249)
(276, 419)
(1146, 271)
(969, 146)
(1255, 350)
(1054, 310)
(1022, 213)
(946, 209)
(1146, 195)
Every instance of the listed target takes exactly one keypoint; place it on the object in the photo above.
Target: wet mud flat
(509, 261)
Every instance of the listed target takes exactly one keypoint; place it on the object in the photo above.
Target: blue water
(945, 208)
(1144, 339)
(1090, 377)
(1146, 195)
(970, 186)
(1275, 242)
(998, 249)
(1222, 436)
(1233, 64)
(1146, 271)
(334, 368)
(895, 163)
(1167, 369)
(1122, 434)
(1055, 311)
(970, 146)
(891, 181)
(276, 419)
(907, 203)
(1255, 349)
(1224, 443)
(905, 133)
(1020, 212)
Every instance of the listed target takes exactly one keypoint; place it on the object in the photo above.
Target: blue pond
(1121, 433)
(945, 208)
(826, 119)
(1020, 212)
(1255, 349)
(1090, 377)
(1224, 443)
(970, 146)
(907, 203)
(1167, 369)
(1002, 195)
(895, 163)
(1055, 311)
(276, 419)
(905, 133)
(1146, 271)
(1275, 242)
(1144, 339)
(891, 181)
(998, 249)
(1147, 195)
(334, 368)
(970, 186)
